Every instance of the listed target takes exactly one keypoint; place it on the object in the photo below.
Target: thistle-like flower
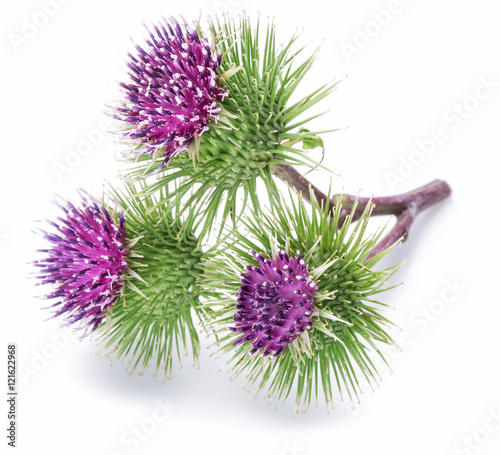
(173, 93)
(138, 290)
(261, 125)
(307, 298)
(86, 262)
(275, 303)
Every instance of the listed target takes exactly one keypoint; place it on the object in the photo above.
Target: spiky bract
(153, 322)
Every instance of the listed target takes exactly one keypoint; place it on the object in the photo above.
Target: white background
(408, 77)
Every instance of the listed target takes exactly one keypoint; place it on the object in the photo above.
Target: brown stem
(398, 233)
(405, 206)
(423, 197)
(296, 181)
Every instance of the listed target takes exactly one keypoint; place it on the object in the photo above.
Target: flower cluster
(293, 300)
(301, 297)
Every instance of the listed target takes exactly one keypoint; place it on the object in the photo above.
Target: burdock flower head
(131, 277)
(294, 301)
(261, 126)
(275, 303)
(86, 261)
(173, 92)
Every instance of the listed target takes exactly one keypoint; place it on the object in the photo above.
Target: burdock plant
(289, 290)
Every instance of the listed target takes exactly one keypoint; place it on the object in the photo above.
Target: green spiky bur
(259, 127)
(347, 325)
(152, 322)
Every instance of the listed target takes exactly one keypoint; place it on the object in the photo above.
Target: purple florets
(275, 303)
(173, 92)
(85, 263)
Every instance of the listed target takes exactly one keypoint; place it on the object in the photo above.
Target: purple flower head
(85, 262)
(275, 303)
(173, 93)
